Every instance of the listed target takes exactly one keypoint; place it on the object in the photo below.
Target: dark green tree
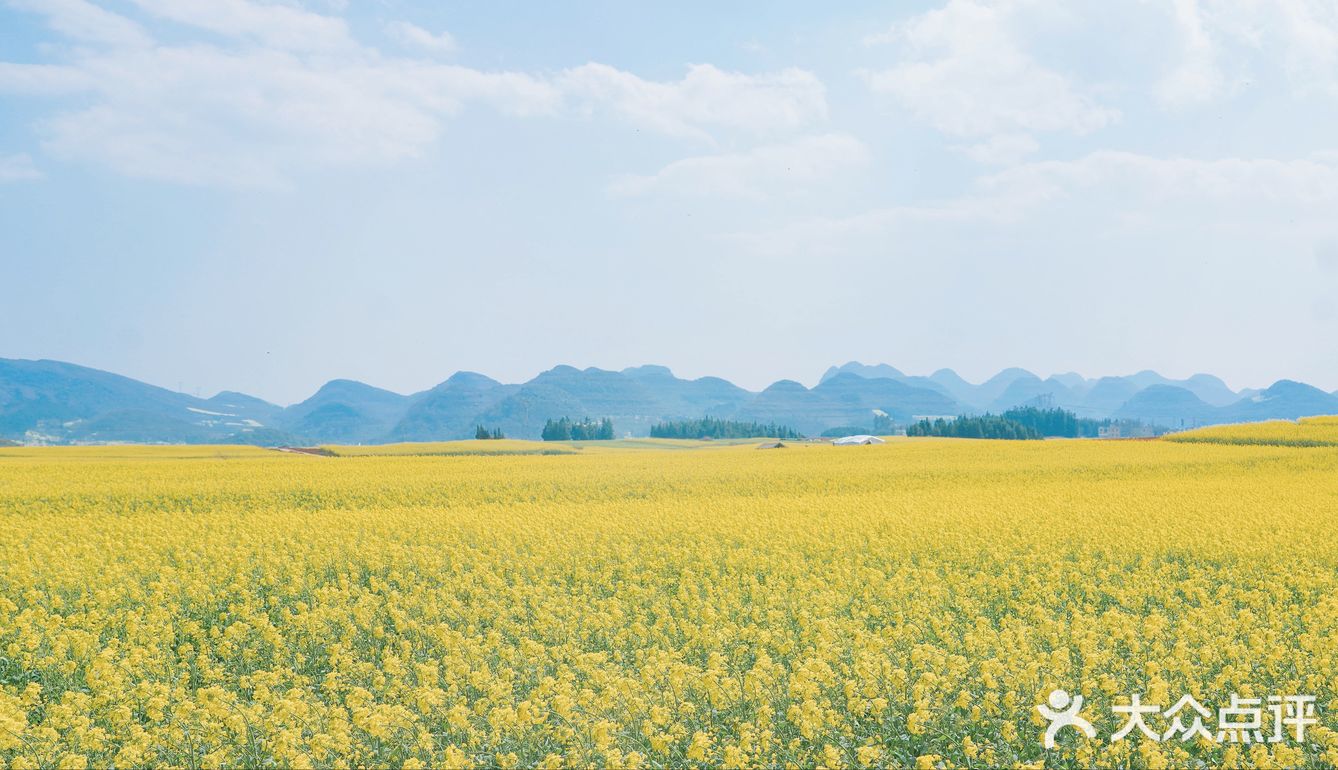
(712, 427)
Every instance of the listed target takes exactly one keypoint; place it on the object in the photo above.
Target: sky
(262, 196)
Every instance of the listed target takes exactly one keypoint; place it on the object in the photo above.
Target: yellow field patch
(882, 605)
(1305, 432)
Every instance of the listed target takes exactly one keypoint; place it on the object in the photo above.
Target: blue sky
(261, 196)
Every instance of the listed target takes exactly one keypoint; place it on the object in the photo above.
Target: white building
(857, 440)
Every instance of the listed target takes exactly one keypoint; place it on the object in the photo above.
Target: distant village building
(857, 440)
(1108, 431)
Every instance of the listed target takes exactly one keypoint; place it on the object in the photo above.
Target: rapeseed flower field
(1305, 432)
(903, 605)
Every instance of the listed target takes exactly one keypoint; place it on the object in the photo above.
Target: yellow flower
(453, 758)
(700, 746)
(714, 606)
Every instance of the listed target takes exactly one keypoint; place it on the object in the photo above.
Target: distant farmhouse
(857, 440)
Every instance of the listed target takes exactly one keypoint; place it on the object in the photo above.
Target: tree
(586, 429)
(481, 433)
(882, 425)
(985, 426)
(712, 427)
(556, 430)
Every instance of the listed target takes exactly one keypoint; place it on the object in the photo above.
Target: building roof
(859, 439)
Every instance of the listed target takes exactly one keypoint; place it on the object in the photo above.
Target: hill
(844, 399)
(1094, 398)
(63, 403)
(54, 401)
(449, 410)
(1167, 406)
(1284, 400)
(345, 412)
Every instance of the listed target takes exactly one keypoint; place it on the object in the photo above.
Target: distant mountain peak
(473, 379)
(341, 383)
(648, 370)
(866, 371)
(1011, 373)
(52, 401)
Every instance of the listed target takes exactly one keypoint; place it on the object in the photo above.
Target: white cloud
(205, 115)
(1127, 192)
(1224, 43)
(756, 173)
(966, 73)
(1259, 186)
(1311, 29)
(43, 79)
(1003, 149)
(83, 21)
(262, 91)
(278, 26)
(1197, 78)
(705, 97)
(17, 168)
(417, 37)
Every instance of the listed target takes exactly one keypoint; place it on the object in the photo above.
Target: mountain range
(52, 402)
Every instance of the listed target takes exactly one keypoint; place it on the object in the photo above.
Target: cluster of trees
(985, 426)
(1026, 423)
(711, 427)
(586, 429)
(844, 430)
(1053, 422)
(483, 434)
(1066, 424)
(883, 425)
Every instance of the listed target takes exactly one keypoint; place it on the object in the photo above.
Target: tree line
(483, 434)
(566, 429)
(985, 426)
(1066, 424)
(1024, 423)
(712, 427)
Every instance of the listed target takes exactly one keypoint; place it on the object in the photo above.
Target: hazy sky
(261, 196)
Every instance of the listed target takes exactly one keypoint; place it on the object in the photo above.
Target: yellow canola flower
(885, 606)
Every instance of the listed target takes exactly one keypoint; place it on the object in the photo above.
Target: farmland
(907, 604)
(1305, 432)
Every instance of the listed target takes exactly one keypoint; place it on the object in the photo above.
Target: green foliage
(1027, 423)
(483, 434)
(1065, 424)
(985, 426)
(845, 430)
(565, 429)
(711, 427)
(883, 425)
(1053, 422)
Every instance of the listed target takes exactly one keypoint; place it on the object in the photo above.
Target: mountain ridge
(44, 401)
